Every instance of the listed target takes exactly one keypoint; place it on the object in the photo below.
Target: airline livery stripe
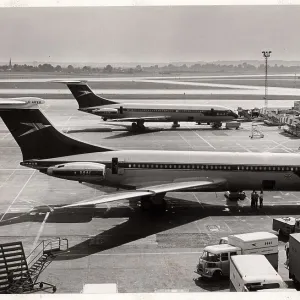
(210, 167)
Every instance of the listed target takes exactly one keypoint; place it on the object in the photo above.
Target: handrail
(45, 246)
(34, 249)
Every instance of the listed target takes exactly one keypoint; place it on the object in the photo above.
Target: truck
(286, 225)
(214, 261)
(253, 272)
(294, 263)
(232, 125)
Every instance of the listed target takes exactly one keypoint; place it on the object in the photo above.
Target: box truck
(251, 273)
(286, 225)
(214, 261)
(294, 255)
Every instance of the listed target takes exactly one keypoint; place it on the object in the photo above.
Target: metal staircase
(19, 274)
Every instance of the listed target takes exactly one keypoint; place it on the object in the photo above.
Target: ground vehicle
(251, 273)
(240, 195)
(286, 225)
(265, 243)
(232, 125)
(214, 261)
(294, 264)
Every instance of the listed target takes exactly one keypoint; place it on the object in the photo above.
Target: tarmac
(118, 243)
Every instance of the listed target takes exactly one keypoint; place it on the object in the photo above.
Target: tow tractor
(286, 225)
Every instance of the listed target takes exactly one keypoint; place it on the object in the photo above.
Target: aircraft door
(121, 110)
(116, 166)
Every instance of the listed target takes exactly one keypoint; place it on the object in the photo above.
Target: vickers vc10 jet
(139, 113)
(143, 175)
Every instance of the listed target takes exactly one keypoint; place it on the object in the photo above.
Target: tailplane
(36, 136)
(84, 95)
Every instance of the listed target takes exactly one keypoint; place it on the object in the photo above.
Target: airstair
(19, 275)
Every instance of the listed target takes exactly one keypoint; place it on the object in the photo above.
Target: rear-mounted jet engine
(78, 171)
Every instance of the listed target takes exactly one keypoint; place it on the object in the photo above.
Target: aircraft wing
(147, 191)
(147, 119)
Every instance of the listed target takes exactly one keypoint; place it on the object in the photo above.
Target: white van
(251, 273)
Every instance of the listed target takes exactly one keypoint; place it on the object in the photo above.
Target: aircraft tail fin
(84, 95)
(36, 136)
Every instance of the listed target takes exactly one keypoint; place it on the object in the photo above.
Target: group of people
(254, 199)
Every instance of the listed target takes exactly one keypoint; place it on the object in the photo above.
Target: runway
(117, 243)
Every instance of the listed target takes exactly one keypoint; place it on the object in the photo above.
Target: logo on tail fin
(83, 93)
(33, 127)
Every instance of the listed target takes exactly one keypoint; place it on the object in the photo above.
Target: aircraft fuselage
(173, 112)
(138, 168)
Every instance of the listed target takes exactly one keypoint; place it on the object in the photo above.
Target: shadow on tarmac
(212, 285)
(288, 135)
(139, 224)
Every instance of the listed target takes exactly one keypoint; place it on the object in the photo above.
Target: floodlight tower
(266, 55)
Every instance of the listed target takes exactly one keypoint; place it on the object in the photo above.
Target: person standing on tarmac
(252, 199)
(255, 196)
(261, 199)
(287, 250)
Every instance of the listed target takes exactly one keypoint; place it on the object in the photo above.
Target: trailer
(286, 225)
(252, 273)
(294, 263)
(265, 243)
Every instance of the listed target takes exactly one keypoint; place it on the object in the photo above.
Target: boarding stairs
(18, 274)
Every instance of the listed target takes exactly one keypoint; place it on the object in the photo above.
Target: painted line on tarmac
(17, 195)
(15, 169)
(7, 178)
(5, 136)
(186, 141)
(40, 231)
(245, 148)
(203, 139)
(283, 147)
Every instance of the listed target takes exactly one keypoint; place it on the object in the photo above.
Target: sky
(149, 34)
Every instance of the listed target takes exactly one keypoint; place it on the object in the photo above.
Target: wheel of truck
(217, 275)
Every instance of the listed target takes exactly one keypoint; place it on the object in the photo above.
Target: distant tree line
(166, 69)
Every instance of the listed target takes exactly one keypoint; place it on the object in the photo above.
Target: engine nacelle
(79, 171)
(106, 110)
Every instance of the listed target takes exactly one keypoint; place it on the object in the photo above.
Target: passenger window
(224, 256)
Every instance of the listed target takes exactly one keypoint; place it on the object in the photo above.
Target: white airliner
(146, 175)
(139, 113)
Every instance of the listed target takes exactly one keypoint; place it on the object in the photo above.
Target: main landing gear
(154, 204)
(138, 126)
(175, 124)
(216, 125)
